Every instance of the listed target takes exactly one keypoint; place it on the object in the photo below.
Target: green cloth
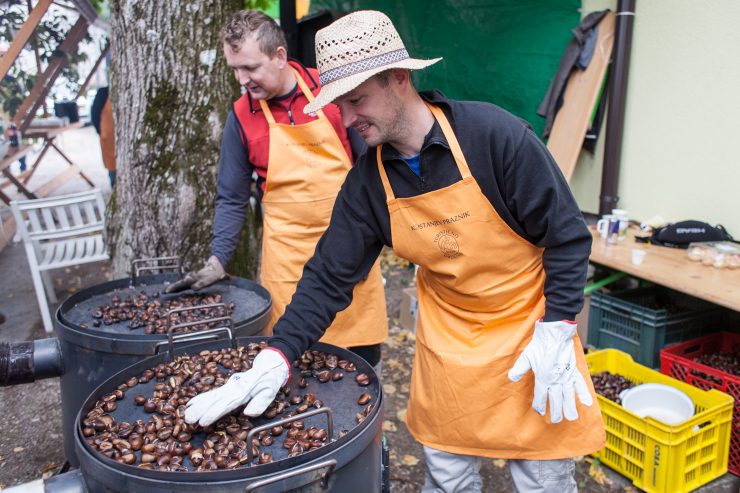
(273, 9)
(504, 51)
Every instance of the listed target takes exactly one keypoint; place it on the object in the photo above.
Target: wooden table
(669, 267)
(48, 134)
(13, 155)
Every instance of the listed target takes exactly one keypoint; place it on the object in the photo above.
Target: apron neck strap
(383, 175)
(449, 134)
(306, 92)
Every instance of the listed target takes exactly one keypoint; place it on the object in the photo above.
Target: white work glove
(257, 386)
(550, 355)
(211, 273)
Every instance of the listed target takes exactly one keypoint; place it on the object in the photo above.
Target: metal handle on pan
(329, 464)
(159, 263)
(184, 309)
(307, 414)
(229, 321)
(199, 336)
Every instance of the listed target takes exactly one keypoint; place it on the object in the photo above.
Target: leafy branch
(46, 39)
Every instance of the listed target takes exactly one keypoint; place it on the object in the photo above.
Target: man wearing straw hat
(300, 162)
(468, 193)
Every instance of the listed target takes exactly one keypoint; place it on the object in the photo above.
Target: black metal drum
(87, 352)
(90, 355)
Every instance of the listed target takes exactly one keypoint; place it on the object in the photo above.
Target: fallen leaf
(47, 474)
(71, 290)
(500, 463)
(18, 450)
(410, 460)
(630, 489)
(49, 466)
(598, 475)
(389, 388)
(401, 415)
(406, 335)
(389, 425)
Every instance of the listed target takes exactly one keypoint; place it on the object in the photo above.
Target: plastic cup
(638, 256)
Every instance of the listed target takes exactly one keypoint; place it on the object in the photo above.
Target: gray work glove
(211, 273)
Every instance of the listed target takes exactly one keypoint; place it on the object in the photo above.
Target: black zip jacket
(513, 169)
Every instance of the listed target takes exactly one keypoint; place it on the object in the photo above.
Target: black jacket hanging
(552, 101)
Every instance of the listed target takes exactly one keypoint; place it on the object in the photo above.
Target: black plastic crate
(643, 321)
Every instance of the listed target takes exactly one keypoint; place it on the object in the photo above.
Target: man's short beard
(398, 128)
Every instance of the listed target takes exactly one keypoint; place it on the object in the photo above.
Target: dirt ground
(30, 414)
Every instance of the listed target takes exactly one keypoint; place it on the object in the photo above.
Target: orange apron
(480, 290)
(306, 167)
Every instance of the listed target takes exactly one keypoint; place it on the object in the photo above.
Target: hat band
(363, 65)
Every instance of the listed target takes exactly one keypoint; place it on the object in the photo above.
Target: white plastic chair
(59, 232)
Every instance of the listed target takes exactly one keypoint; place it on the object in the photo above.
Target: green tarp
(502, 51)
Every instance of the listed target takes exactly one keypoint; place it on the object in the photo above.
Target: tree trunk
(171, 91)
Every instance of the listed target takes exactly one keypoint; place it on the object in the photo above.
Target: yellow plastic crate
(657, 457)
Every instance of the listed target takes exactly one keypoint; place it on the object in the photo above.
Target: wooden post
(25, 33)
(83, 87)
(43, 85)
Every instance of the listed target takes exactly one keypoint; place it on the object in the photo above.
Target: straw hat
(354, 48)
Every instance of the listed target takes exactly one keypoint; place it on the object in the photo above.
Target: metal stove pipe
(24, 362)
(617, 102)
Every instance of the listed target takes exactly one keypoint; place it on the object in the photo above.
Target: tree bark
(171, 91)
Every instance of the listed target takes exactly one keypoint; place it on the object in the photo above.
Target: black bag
(680, 234)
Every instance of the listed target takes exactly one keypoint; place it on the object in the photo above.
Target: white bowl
(661, 402)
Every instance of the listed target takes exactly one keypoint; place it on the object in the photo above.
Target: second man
(300, 162)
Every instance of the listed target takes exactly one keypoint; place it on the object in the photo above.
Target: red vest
(255, 127)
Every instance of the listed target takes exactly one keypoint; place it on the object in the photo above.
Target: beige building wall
(680, 154)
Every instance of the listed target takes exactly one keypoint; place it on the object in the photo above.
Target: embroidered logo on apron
(447, 242)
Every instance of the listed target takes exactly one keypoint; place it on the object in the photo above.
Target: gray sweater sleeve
(233, 191)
